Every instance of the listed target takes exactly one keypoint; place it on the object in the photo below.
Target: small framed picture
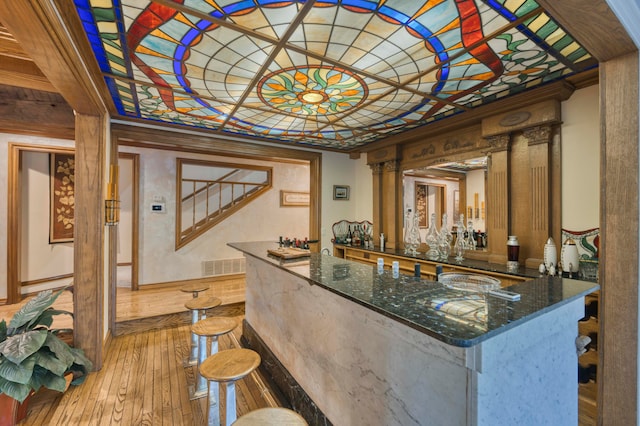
(340, 192)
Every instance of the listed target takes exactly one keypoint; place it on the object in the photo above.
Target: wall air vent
(220, 267)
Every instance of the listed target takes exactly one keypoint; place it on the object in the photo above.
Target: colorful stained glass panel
(328, 73)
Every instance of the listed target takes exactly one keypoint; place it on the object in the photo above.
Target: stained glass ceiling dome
(335, 74)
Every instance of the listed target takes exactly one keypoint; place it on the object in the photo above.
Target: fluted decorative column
(498, 197)
(539, 138)
(376, 170)
(391, 203)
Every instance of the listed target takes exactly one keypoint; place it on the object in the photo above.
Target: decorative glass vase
(460, 241)
(432, 238)
(471, 242)
(415, 233)
(444, 239)
(460, 227)
(411, 233)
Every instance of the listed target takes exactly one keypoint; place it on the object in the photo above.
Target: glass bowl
(469, 282)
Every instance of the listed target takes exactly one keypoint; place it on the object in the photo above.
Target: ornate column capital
(376, 168)
(538, 134)
(392, 166)
(500, 142)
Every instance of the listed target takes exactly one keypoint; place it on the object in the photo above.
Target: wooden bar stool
(227, 367)
(194, 288)
(272, 416)
(209, 327)
(198, 307)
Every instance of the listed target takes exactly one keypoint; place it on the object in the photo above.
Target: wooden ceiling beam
(23, 73)
(593, 24)
(47, 40)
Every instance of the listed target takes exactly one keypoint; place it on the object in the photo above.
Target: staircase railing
(205, 202)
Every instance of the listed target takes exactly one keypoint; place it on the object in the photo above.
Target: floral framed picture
(62, 197)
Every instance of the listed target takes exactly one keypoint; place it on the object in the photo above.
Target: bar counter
(366, 348)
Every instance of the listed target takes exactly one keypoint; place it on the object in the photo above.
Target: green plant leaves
(32, 310)
(31, 354)
(17, 348)
(14, 390)
(17, 373)
(3, 331)
(43, 377)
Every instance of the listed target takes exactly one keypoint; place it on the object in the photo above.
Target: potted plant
(33, 355)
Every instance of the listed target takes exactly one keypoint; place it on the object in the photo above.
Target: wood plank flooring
(143, 382)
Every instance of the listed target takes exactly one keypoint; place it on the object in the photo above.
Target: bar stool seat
(194, 288)
(227, 367)
(209, 327)
(202, 303)
(272, 416)
(198, 307)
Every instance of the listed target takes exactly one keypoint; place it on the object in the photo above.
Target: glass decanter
(460, 227)
(432, 238)
(415, 233)
(410, 245)
(460, 242)
(471, 242)
(444, 239)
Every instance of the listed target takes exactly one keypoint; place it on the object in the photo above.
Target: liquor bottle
(355, 238)
(349, 236)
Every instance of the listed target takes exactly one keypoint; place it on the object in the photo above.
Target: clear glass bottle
(411, 233)
(460, 241)
(462, 228)
(408, 224)
(415, 233)
(471, 242)
(444, 239)
(432, 238)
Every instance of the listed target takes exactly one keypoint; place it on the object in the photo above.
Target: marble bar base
(362, 367)
(284, 382)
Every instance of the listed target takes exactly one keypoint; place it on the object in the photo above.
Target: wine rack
(588, 361)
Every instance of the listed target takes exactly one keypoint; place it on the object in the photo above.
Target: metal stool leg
(193, 357)
(213, 415)
(200, 390)
(230, 403)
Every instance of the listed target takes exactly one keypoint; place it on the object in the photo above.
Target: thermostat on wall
(157, 206)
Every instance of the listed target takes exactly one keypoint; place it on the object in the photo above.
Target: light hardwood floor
(143, 380)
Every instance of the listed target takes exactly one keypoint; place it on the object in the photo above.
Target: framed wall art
(340, 192)
(62, 197)
(422, 207)
(294, 199)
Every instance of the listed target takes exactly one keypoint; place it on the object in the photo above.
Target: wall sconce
(111, 212)
(112, 203)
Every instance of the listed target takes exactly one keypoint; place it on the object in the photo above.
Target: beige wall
(262, 219)
(339, 169)
(581, 160)
(39, 258)
(5, 140)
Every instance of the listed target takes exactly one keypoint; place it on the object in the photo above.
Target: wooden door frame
(135, 217)
(14, 218)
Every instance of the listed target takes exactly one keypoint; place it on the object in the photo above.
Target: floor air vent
(222, 267)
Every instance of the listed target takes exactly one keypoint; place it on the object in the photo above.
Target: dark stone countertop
(456, 317)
